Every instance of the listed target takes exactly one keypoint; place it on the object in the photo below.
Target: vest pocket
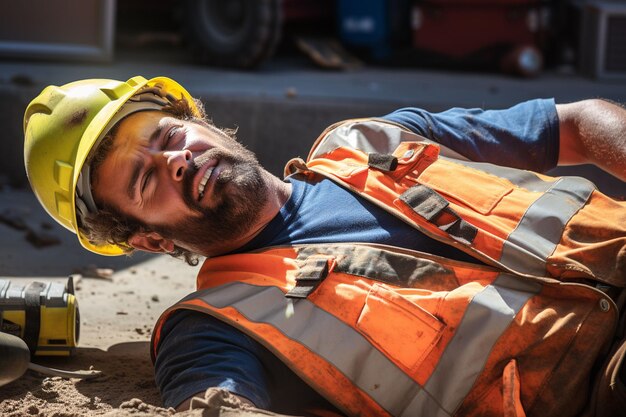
(398, 327)
(473, 188)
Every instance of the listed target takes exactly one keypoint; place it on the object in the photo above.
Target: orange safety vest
(516, 220)
(384, 331)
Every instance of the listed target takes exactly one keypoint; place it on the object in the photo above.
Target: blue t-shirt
(320, 211)
(198, 351)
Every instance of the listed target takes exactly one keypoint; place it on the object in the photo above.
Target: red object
(458, 28)
(308, 9)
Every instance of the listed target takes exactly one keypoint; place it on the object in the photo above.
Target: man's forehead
(142, 120)
(137, 128)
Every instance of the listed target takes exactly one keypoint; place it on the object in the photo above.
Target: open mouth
(203, 182)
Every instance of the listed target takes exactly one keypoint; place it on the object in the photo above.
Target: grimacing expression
(187, 181)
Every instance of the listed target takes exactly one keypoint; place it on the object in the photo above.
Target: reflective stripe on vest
(465, 356)
(488, 315)
(525, 250)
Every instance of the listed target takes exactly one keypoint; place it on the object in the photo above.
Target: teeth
(203, 181)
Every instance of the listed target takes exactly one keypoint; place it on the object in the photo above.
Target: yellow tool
(44, 314)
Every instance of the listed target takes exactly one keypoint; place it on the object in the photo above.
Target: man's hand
(593, 132)
(224, 404)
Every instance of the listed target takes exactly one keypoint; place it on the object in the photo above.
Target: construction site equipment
(39, 318)
(456, 30)
(234, 33)
(43, 314)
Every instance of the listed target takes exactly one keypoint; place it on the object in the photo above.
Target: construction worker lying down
(415, 264)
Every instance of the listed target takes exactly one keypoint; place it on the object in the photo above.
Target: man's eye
(171, 133)
(146, 179)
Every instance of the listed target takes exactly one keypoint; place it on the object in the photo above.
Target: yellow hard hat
(63, 124)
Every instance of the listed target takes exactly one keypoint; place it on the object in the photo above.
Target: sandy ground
(117, 315)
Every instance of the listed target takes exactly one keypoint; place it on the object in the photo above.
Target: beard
(239, 195)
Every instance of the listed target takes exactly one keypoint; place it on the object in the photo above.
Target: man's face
(188, 182)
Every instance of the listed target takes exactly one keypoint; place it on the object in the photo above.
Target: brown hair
(109, 225)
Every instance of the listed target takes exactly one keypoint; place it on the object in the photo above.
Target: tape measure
(44, 314)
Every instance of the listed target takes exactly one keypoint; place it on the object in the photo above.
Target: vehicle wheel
(233, 33)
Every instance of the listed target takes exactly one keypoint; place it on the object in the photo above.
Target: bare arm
(593, 132)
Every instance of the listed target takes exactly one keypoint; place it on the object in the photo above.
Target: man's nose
(177, 163)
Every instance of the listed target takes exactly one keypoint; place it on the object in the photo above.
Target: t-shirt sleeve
(523, 136)
(198, 351)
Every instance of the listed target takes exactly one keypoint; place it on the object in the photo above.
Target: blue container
(364, 23)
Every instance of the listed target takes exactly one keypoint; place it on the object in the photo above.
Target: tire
(233, 33)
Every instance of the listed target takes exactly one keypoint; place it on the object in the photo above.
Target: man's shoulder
(372, 135)
(366, 134)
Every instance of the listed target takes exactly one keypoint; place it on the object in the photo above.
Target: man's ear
(151, 242)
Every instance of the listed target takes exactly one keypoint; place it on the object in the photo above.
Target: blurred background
(282, 70)
(519, 37)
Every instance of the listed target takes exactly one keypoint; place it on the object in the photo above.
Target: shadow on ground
(127, 374)
(32, 244)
